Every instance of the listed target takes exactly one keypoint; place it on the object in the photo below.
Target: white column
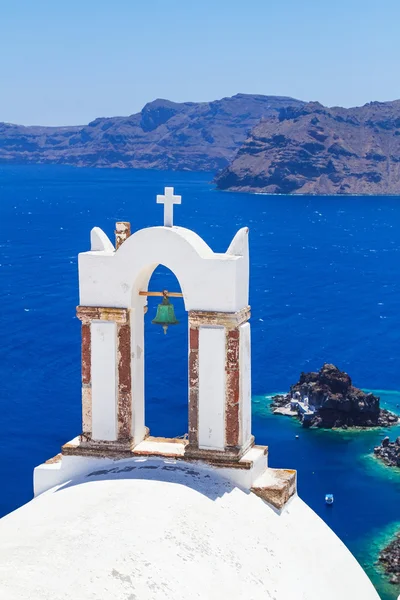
(137, 370)
(212, 388)
(104, 380)
(245, 383)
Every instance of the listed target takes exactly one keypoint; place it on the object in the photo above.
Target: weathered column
(139, 430)
(124, 409)
(219, 384)
(193, 385)
(106, 374)
(86, 378)
(232, 392)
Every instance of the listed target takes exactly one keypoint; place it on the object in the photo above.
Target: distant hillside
(312, 149)
(164, 135)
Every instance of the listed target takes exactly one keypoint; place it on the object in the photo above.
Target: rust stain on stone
(86, 354)
(87, 411)
(86, 380)
(86, 314)
(55, 459)
(226, 458)
(103, 313)
(281, 488)
(193, 386)
(229, 320)
(193, 339)
(124, 382)
(180, 441)
(232, 404)
(122, 232)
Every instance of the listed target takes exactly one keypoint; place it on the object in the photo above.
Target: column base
(76, 460)
(230, 457)
(230, 454)
(82, 446)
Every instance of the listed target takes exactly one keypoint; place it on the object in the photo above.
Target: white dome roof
(158, 530)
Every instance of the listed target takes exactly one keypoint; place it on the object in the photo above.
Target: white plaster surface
(137, 370)
(100, 242)
(161, 531)
(245, 478)
(212, 354)
(47, 475)
(209, 281)
(162, 448)
(245, 383)
(104, 384)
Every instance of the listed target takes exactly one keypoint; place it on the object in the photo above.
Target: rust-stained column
(232, 392)
(231, 322)
(120, 316)
(124, 382)
(193, 386)
(86, 381)
(86, 351)
(122, 232)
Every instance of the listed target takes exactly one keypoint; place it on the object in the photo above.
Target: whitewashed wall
(104, 381)
(245, 383)
(212, 387)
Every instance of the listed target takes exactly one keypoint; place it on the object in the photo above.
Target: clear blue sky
(66, 61)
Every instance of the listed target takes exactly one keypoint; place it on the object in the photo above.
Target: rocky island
(389, 452)
(389, 559)
(328, 399)
(312, 149)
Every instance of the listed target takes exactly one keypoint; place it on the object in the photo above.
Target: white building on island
(121, 515)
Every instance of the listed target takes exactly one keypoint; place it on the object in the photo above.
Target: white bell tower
(113, 285)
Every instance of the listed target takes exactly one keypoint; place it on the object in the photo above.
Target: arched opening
(166, 362)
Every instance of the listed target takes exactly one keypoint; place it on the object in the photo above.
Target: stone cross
(168, 199)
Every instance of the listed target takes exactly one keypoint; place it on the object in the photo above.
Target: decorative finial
(168, 199)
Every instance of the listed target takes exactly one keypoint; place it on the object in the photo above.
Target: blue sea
(325, 287)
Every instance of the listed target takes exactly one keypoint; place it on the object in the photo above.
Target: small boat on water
(329, 498)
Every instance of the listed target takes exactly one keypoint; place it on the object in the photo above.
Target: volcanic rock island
(328, 399)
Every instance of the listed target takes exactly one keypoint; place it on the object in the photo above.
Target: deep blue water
(325, 286)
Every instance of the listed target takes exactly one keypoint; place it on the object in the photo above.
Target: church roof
(160, 530)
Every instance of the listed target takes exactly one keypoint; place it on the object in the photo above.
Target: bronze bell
(165, 313)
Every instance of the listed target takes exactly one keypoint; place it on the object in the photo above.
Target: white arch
(209, 281)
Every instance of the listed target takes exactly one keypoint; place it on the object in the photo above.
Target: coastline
(367, 553)
(312, 195)
(369, 490)
(389, 559)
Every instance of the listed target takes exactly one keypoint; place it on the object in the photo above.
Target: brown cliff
(317, 150)
(202, 136)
